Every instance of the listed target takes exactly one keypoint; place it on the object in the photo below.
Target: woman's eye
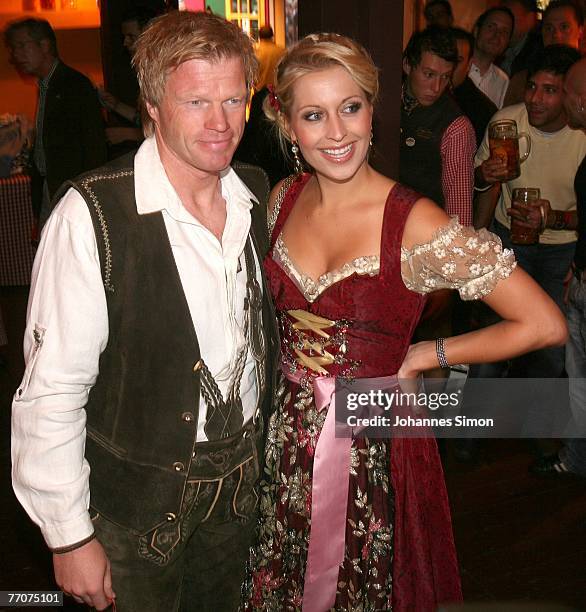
(313, 116)
(352, 108)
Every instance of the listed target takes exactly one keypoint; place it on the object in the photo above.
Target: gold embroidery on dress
(307, 346)
(308, 321)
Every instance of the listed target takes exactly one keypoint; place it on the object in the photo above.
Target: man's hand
(84, 573)
(492, 170)
(530, 215)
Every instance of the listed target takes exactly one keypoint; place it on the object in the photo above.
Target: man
(436, 150)
(437, 140)
(525, 40)
(572, 456)
(268, 54)
(133, 23)
(563, 23)
(69, 129)
(493, 32)
(556, 153)
(438, 13)
(478, 107)
(161, 318)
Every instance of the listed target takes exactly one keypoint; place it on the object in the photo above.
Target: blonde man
(148, 338)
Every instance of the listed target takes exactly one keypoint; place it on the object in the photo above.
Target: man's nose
(217, 119)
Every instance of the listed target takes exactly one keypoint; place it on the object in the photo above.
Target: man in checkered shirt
(437, 148)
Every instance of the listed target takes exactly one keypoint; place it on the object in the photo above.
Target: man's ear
(406, 66)
(153, 112)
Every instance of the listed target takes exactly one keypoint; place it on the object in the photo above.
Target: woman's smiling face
(331, 119)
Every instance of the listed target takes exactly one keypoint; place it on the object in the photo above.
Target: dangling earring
(371, 137)
(297, 159)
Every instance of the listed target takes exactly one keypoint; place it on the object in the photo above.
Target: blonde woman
(363, 524)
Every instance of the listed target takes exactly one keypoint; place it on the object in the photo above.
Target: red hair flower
(273, 99)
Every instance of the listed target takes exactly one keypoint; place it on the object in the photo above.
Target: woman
(353, 253)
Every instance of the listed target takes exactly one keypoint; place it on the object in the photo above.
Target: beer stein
(503, 141)
(519, 234)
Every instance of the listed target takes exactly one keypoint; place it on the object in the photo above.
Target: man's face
(524, 19)
(463, 65)
(428, 80)
(27, 55)
(200, 119)
(575, 99)
(544, 100)
(492, 38)
(130, 31)
(438, 15)
(560, 27)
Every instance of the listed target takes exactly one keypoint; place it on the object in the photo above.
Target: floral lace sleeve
(457, 257)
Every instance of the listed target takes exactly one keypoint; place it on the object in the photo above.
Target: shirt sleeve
(66, 330)
(471, 261)
(457, 150)
(483, 152)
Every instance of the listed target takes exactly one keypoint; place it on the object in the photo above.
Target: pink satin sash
(329, 498)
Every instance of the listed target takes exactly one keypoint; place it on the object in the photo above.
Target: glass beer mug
(503, 142)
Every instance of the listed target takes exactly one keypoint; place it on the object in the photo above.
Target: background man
(437, 147)
(439, 13)
(556, 153)
(572, 456)
(69, 129)
(525, 39)
(133, 23)
(268, 54)
(493, 32)
(562, 23)
(437, 140)
(156, 346)
(477, 106)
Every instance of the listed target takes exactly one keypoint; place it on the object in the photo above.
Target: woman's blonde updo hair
(318, 52)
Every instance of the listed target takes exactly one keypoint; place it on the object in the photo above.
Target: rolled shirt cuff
(66, 535)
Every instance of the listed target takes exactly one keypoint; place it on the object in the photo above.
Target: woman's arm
(523, 329)
(531, 318)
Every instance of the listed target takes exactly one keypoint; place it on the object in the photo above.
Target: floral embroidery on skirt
(276, 571)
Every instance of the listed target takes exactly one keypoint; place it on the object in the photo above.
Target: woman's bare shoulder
(425, 218)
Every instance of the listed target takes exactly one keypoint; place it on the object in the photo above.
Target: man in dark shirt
(70, 136)
(526, 38)
(477, 106)
(572, 457)
(438, 13)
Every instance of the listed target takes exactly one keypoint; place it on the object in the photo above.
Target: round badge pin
(410, 142)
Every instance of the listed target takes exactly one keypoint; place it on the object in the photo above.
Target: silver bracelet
(441, 353)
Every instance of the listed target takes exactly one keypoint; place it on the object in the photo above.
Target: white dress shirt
(494, 82)
(67, 329)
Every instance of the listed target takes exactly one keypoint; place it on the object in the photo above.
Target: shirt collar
(44, 82)
(410, 102)
(154, 192)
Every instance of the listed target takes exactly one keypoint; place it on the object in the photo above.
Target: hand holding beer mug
(503, 142)
(527, 215)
